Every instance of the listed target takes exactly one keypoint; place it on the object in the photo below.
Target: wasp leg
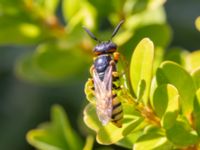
(116, 56)
(117, 112)
(115, 76)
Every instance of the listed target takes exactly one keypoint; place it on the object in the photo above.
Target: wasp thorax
(105, 47)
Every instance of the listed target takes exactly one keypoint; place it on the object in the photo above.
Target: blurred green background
(45, 54)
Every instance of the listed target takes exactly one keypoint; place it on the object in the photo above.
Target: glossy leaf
(193, 61)
(181, 135)
(145, 18)
(51, 6)
(157, 143)
(56, 135)
(24, 31)
(158, 58)
(139, 20)
(74, 17)
(58, 62)
(196, 77)
(172, 73)
(166, 104)
(89, 143)
(152, 139)
(196, 112)
(197, 23)
(141, 67)
(70, 8)
(130, 139)
(109, 133)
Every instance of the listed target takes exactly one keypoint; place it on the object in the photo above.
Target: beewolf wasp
(104, 76)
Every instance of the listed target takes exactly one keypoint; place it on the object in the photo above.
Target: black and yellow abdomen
(117, 112)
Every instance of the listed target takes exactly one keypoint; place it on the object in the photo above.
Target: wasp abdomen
(117, 112)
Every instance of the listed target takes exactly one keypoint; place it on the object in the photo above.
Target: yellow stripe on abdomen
(117, 112)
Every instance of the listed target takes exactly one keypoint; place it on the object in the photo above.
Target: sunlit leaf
(155, 143)
(141, 66)
(196, 77)
(58, 62)
(152, 139)
(139, 20)
(145, 18)
(166, 104)
(89, 143)
(70, 8)
(74, 17)
(197, 23)
(160, 35)
(172, 73)
(193, 61)
(181, 135)
(56, 135)
(51, 6)
(130, 139)
(109, 133)
(196, 112)
(19, 30)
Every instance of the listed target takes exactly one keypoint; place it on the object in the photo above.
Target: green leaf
(89, 143)
(70, 8)
(52, 63)
(158, 58)
(165, 103)
(152, 139)
(196, 112)
(182, 135)
(156, 143)
(193, 61)
(76, 15)
(197, 23)
(160, 35)
(130, 139)
(58, 63)
(145, 18)
(56, 135)
(138, 20)
(196, 77)
(141, 67)
(90, 118)
(51, 6)
(172, 73)
(26, 70)
(24, 31)
(110, 134)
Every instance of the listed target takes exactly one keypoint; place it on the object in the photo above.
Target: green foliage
(141, 69)
(56, 135)
(167, 117)
(197, 23)
(161, 99)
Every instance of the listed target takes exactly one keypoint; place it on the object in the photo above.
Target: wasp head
(107, 46)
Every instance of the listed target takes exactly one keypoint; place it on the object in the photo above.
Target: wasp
(104, 78)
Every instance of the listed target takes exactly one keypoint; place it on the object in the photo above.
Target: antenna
(117, 28)
(91, 34)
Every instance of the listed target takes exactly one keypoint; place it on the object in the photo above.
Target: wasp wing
(103, 94)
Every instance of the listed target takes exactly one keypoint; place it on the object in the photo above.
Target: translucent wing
(103, 93)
